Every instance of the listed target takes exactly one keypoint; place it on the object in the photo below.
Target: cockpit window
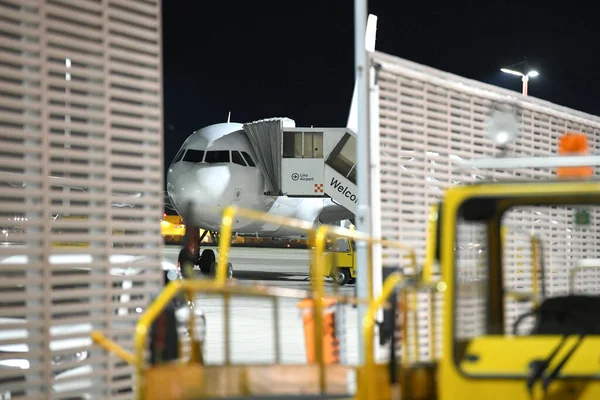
(237, 158)
(220, 156)
(179, 155)
(249, 159)
(194, 156)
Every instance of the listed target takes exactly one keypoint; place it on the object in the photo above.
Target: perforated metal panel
(429, 119)
(80, 189)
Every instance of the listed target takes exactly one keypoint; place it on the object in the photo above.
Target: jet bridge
(320, 162)
(305, 162)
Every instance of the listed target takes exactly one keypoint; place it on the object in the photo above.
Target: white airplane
(216, 167)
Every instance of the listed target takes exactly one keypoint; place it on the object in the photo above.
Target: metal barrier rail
(221, 286)
(370, 377)
(320, 244)
(415, 289)
(583, 265)
(191, 287)
(393, 281)
(317, 271)
(537, 265)
(317, 285)
(431, 244)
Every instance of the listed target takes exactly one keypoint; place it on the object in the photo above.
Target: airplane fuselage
(215, 168)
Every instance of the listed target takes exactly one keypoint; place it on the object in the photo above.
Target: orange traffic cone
(331, 349)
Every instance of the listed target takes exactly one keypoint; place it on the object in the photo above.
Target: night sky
(261, 59)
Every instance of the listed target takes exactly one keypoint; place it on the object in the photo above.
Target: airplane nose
(204, 185)
(205, 188)
(212, 183)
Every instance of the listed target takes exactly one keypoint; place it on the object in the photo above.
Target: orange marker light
(573, 144)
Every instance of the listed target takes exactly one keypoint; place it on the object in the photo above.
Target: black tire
(206, 260)
(213, 270)
(341, 276)
(185, 258)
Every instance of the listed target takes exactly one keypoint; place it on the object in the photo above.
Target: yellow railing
(410, 301)
(575, 270)
(320, 241)
(317, 237)
(535, 244)
(227, 231)
(191, 287)
(370, 381)
(431, 243)
(370, 377)
(396, 279)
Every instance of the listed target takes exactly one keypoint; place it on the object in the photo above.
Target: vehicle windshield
(339, 245)
(546, 252)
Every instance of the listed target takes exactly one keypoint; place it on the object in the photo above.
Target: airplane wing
(56, 182)
(330, 214)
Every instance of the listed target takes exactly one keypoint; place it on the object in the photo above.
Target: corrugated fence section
(80, 190)
(428, 119)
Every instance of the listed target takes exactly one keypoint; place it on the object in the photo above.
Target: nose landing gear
(206, 260)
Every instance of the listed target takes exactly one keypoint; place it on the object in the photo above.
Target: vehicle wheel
(213, 270)
(185, 257)
(206, 260)
(341, 276)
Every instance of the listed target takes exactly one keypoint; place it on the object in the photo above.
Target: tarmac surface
(252, 338)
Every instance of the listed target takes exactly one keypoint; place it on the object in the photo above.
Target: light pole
(363, 223)
(524, 76)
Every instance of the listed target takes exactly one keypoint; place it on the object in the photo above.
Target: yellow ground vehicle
(172, 228)
(340, 260)
(557, 356)
(58, 228)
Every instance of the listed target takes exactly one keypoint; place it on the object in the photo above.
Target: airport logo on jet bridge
(302, 177)
(343, 190)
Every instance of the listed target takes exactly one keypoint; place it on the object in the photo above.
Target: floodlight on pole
(524, 77)
(512, 72)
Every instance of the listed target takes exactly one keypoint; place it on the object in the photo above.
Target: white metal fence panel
(427, 120)
(80, 190)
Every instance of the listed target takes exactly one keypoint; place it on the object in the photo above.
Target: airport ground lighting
(524, 76)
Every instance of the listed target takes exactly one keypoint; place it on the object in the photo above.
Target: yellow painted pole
(318, 292)
(100, 339)
(368, 324)
(225, 243)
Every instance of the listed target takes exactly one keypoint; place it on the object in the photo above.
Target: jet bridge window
(194, 156)
(237, 158)
(343, 157)
(218, 156)
(303, 145)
